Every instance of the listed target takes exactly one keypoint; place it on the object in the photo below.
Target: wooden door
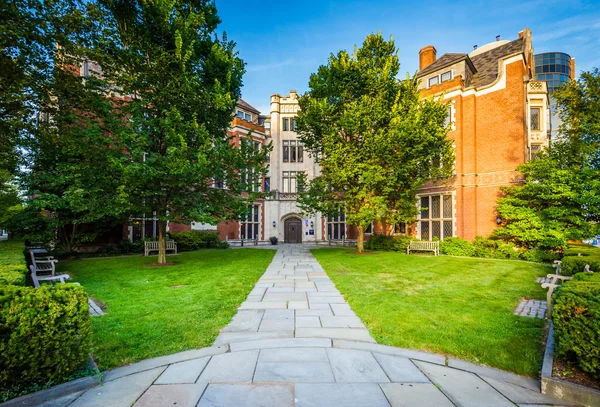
(293, 231)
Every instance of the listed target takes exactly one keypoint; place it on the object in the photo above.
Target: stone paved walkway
(296, 342)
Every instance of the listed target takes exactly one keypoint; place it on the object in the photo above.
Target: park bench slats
(152, 246)
(43, 269)
(417, 245)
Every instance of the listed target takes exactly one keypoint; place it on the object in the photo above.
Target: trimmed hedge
(123, 247)
(576, 319)
(387, 243)
(572, 265)
(44, 333)
(481, 247)
(197, 239)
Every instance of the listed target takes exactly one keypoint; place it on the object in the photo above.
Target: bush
(197, 239)
(572, 265)
(483, 247)
(455, 246)
(582, 249)
(123, 247)
(387, 243)
(576, 319)
(44, 333)
(539, 256)
(13, 274)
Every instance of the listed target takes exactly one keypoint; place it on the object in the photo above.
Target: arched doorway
(293, 230)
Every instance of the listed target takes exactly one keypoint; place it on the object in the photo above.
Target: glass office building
(555, 68)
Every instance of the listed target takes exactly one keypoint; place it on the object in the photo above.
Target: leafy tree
(560, 197)
(179, 84)
(10, 202)
(56, 122)
(376, 137)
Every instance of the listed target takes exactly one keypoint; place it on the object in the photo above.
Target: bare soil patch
(570, 372)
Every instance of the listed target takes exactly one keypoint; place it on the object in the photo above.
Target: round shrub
(44, 333)
(387, 243)
(572, 265)
(197, 239)
(455, 246)
(539, 256)
(576, 319)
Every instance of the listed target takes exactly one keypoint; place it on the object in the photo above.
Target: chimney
(426, 56)
(497, 38)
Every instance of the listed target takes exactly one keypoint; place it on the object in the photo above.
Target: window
(86, 69)
(144, 227)
(446, 76)
(293, 152)
(240, 114)
(286, 124)
(434, 81)
(336, 226)
(399, 228)
(535, 149)
(290, 185)
(247, 175)
(247, 117)
(267, 184)
(448, 116)
(436, 217)
(219, 184)
(293, 124)
(250, 226)
(534, 118)
(369, 229)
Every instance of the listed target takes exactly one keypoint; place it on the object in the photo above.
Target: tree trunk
(360, 243)
(162, 241)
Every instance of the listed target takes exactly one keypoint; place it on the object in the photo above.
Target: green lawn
(459, 307)
(11, 252)
(154, 311)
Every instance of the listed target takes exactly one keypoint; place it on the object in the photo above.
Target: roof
(487, 62)
(445, 60)
(247, 106)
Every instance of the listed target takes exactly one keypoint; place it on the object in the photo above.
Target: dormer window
(434, 81)
(247, 117)
(446, 76)
(240, 114)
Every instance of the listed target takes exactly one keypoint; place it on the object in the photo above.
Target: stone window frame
(286, 182)
(293, 151)
(396, 232)
(252, 221)
(285, 124)
(338, 225)
(538, 126)
(441, 218)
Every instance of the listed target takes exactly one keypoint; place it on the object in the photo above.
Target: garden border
(560, 389)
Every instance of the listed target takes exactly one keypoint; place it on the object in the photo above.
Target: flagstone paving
(296, 342)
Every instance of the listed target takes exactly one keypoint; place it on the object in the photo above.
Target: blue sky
(282, 43)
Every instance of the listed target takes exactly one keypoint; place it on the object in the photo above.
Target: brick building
(499, 119)
(498, 115)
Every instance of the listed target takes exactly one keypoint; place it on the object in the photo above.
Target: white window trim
(260, 226)
(418, 204)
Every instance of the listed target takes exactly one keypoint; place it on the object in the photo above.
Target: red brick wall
(178, 227)
(490, 137)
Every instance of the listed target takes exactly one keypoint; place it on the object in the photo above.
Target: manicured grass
(154, 311)
(11, 252)
(461, 307)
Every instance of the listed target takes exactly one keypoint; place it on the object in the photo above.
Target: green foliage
(376, 138)
(13, 269)
(576, 319)
(455, 246)
(581, 250)
(572, 265)
(184, 82)
(44, 333)
(123, 247)
(388, 243)
(539, 256)
(197, 239)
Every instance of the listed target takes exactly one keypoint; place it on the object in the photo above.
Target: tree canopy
(377, 139)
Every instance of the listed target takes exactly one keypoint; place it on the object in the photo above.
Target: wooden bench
(417, 245)
(153, 246)
(42, 269)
